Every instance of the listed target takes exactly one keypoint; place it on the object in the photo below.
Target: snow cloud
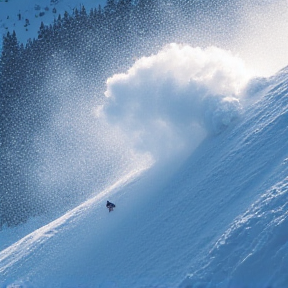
(169, 102)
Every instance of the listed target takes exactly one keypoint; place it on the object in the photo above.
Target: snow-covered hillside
(192, 146)
(219, 219)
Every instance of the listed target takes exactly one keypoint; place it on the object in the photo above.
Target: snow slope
(218, 220)
(252, 252)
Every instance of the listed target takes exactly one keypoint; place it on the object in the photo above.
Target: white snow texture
(217, 219)
(204, 200)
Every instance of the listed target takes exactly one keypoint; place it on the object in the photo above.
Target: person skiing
(110, 206)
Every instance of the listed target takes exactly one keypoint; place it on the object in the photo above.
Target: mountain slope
(253, 250)
(219, 216)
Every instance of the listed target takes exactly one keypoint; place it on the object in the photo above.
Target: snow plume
(78, 154)
(169, 102)
(261, 36)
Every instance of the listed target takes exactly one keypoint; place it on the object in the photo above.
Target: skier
(110, 206)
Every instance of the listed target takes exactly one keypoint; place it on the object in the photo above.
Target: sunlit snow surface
(32, 241)
(253, 251)
(218, 220)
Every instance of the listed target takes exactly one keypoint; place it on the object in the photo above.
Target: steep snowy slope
(253, 251)
(221, 217)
